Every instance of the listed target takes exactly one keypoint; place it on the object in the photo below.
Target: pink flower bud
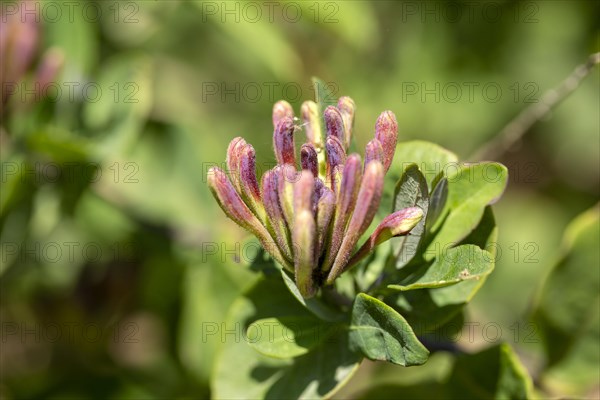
(304, 237)
(282, 109)
(270, 199)
(386, 131)
(248, 182)
(304, 189)
(234, 153)
(346, 201)
(287, 176)
(347, 109)
(311, 119)
(399, 223)
(373, 151)
(325, 209)
(336, 155)
(367, 204)
(334, 124)
(283, 142)
(308, 158)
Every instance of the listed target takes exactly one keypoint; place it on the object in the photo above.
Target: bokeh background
(116, 261)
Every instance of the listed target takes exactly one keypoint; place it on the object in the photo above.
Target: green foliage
(241, 371)
(568, 306)
(380, 333)
(494, 373)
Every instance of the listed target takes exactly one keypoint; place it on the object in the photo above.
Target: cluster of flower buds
(311, 220)
(19, 40)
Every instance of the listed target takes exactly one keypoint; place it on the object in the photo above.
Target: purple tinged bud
(319, 187)
(283, 142)
(367, 203)
(287, 176)
(336, 155)
(396, 224)
(275, 218)
(310, 116)
(232, 205)
(233, 160)
(229, 199)
(304, 189)
(346, 201)
(399, 223)
(282, 109)
(336, 179)
(308, 158)
(325, 209)
(304, 238)
(248, 172)
(248, 182)
(373, 151)
(386, 131)
(334, 124)
(347, 109)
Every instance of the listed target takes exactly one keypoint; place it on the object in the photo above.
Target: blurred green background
(116, 262)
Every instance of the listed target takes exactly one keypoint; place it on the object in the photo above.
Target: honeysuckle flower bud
(304, 253)
(336, 155)
(275, 218)
(325, 209)
(234, 207)
(310, 116)
(248, 182)
(283, 141)
(347, 108)
(311, 221)
(286, 177)
(336, 179)
(304, 189)
(233, 160)
(319, 187)
(282, 109)
(309, 159)
(373, 151)
(396, 224)
(386, 131)
(367, 202)
(334, 124)
(304, 233)
(346, 200)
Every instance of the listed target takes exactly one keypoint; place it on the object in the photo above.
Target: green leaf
(438, 199)
(470, 189)
(380, 333)
(430, 158)
(568, 307)
(428, 309)
(241, 372)
(287, 337)
(410, 191)
(458, 264)
(494, 373)
(314, 305)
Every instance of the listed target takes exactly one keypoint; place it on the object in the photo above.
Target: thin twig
(516, 128)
